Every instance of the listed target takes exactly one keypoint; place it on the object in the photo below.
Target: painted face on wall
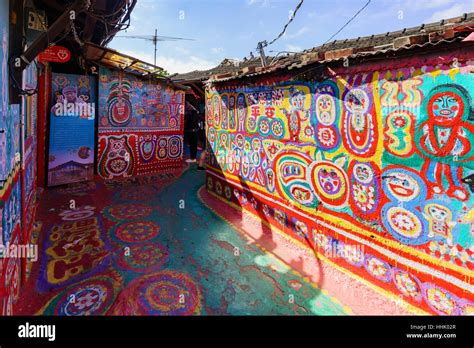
(363, 173)
(297, 99)
(402, 186)
(329, 180)
(438, 212)
(357, 101)
(291, 175)
(445, 107)
(325, 109)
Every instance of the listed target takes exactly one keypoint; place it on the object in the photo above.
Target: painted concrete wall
(17, 171)
(140, 126)
(372, 168)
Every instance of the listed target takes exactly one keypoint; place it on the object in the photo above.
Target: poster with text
(72, 119)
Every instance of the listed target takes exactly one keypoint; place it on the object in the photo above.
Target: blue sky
(232, 28)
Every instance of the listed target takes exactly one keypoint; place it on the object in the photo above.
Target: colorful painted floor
(152, 247)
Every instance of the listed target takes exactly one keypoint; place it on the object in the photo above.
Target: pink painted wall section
(372, 168)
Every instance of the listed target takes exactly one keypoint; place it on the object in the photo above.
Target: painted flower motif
(403, 222)
(400, 121)
(441, 301)
(378, 269)
(326, 137)
(364, 196)
(277, 129)
(407, 285)
(264, 126)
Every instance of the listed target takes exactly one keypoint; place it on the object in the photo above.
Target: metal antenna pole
(155, 41)
(260, 48)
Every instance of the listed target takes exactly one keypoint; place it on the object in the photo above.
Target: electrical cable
(350, 20)
(287, 24)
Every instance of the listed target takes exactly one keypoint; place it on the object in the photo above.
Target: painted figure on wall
(296, 113)
(241, 111)
(445, 137)
(326, 128)
(440, 220)
(359, 122)
(365, 190)
(119, 105)
(117, 158)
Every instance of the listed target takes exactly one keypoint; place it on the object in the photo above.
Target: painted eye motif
(333, 175)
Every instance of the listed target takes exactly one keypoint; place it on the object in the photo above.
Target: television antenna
(155, 38)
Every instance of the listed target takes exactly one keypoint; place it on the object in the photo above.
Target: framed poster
(72, 137)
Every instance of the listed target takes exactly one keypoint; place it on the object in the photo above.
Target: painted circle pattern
(161, 293)
(128, 211)
(137, 231)
(143, 258)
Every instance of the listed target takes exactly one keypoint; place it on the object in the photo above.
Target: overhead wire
(287, 24)
(347, 23)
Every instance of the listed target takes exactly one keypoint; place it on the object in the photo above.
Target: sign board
(55, 54)
(72, 136)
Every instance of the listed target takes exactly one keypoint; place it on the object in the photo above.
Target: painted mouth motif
(446, 112)
(400, 190)
(300, 193)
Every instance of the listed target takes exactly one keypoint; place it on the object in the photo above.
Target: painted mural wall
(373, 167)
(10, 183)
(18, 146)
(140, 126)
